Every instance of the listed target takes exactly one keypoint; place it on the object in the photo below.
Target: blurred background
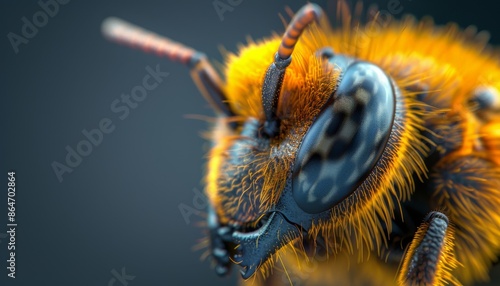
(118, 212)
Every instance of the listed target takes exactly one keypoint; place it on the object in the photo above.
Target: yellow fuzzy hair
(449, 62)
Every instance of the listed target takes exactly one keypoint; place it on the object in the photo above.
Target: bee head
(308, 143)
(309, 128)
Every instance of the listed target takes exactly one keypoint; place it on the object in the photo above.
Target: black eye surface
(346, 140)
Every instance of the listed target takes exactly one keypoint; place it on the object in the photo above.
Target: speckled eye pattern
(346, 140)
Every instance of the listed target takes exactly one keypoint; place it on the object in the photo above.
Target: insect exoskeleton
(351, 141)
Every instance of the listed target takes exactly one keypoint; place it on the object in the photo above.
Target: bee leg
(430, 255)
(220, 237)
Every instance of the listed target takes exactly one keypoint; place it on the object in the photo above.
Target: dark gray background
(119, 207)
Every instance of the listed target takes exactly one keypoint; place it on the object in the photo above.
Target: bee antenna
(275, 73)
(203, 74)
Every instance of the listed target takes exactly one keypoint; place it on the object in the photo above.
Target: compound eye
(485, 102)
(485, 97)
(347, 139)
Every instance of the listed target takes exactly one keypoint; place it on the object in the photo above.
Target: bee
(350, 155)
